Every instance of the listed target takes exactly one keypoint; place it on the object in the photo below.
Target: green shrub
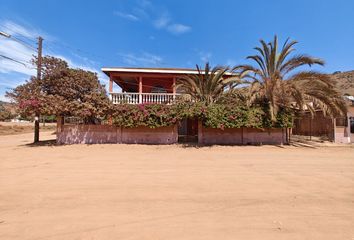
(214, 116)
(149, 115)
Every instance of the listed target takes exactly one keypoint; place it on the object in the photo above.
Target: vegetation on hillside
(7, 111)
(344, 82)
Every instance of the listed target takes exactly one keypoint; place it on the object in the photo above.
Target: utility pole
(39, 72)
(39, 75)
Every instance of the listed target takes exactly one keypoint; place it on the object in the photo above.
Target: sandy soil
(174, 192)
(13, 128)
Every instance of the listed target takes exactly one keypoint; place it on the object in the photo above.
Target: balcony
(139, 98)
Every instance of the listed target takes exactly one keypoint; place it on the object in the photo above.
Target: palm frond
(272, 84)
(298, 61)
(208, 85)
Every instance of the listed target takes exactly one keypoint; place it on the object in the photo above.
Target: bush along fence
(157, 124)
(218, 116)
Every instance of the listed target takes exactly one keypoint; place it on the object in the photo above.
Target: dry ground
(13, 128)
(174, 192)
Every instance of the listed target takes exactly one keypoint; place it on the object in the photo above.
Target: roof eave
(149, 70)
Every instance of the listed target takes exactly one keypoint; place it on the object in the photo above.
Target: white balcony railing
(138, 98)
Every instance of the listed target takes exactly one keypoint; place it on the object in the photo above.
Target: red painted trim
(152, 75)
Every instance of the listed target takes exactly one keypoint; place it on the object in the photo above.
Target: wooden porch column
(174, 88)
(110, 121)
(110, 88)
(140, 89)
(110, 84)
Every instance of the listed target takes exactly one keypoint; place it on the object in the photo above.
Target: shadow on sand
(197, 145)
(308, 144)
(44, 143)
(299, 144)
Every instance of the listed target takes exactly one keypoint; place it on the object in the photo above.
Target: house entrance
(188, 130)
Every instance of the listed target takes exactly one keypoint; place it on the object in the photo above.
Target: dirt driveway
(174, 192)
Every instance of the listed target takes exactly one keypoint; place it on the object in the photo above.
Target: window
(352, 125)
(342, 122)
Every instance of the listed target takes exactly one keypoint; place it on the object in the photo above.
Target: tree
(207, 86)
(62, 91)
(5, 113)
(276, 84)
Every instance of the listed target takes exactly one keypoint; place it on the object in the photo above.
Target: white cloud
(18, 52)
(205, 56)
(162, 21)
(101, 76)
(4, 99)
(231, 62)
(24, 31)
(157, 16)
(145, 3)
(16, 29)
(127, 16)
(145, 59)
(178, 28)
(11, 80)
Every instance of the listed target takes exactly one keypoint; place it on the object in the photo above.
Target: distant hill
(2, 103)
(345, 82)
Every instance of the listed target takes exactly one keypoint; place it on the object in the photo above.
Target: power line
(10, 36)
(23, 42)
(25, 54)
(19, 34)
(56, 44)
(14, 60)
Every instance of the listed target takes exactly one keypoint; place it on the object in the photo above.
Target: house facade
(158, 86)
(144, 85)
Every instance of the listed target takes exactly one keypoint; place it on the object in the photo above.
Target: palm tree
(208, 85)
(276, 83)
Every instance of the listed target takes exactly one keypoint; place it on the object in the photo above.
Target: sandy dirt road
(14, 128)
(174, 192)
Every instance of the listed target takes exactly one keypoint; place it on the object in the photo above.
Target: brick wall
(90, 134)
(241, 136)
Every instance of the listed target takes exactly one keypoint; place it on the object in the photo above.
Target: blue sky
(179, 33)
